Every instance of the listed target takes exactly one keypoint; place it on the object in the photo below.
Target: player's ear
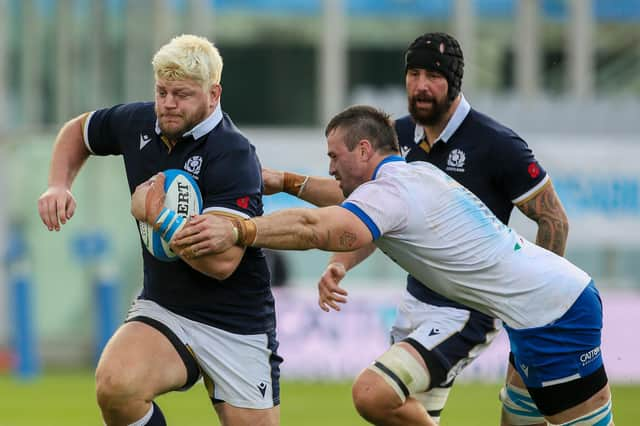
(365, 149)
(215, 91)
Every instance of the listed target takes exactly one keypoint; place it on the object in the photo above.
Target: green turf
(68, 399)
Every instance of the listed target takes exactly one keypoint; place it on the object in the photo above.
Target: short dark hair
(366, 122)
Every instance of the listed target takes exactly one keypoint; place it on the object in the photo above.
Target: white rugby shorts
(454, 336)
(243, 369)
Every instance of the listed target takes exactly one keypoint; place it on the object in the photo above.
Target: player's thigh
(140, 360)
(393, 377)
(447, 338)
(240, 370)
(518, 407)
(594, 411)
(382, 389)
(236, 416)
(561, 363)
(585, 400)
(513, 377)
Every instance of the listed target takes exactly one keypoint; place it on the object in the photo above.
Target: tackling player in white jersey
(444, 236)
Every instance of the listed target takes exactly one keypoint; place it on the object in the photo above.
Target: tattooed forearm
(311, 239)
(552, 235)
(305, 229)
(547, 211)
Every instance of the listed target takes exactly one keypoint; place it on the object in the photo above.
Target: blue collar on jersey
(204, 127)
(388, 159)
(454, 122)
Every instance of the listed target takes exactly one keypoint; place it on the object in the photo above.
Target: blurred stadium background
(565, 74)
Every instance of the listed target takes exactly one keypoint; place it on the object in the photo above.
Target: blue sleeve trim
(375, 232)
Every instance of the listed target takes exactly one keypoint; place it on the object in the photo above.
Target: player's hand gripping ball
(182, 196)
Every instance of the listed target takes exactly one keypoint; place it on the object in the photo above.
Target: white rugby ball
(182, 196)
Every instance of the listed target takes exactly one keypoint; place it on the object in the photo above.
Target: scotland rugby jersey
(228, 172)
(443, 235)
(489, 159)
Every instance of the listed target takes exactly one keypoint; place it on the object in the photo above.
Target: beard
(174, 131)
(345, 191)
(429, 117)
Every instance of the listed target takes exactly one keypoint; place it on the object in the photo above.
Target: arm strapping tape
(168, 223)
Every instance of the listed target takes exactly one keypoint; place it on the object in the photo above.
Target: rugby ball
(182, 196)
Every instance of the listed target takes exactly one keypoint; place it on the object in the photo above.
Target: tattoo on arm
(546, 210)
(347, 239)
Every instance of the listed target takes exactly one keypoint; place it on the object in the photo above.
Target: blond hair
(188, 57)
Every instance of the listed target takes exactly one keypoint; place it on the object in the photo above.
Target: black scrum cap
(438, 52)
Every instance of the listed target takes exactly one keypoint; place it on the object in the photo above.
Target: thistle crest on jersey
(193, 165)
(456, 160)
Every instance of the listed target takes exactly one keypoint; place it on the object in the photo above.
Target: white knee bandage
(402, 372)
(599, 417)
(519, 408)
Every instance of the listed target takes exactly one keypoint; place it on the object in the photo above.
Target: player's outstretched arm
(57, 204)
(319, 191)
(328, 228)
(273, 180)
(545, 208)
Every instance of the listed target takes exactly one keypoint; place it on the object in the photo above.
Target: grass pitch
(67, 399)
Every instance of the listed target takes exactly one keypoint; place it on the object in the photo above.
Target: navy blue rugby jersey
(488, 158)
(225, 166)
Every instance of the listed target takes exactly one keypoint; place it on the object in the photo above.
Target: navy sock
(157, 419)
(154, 417)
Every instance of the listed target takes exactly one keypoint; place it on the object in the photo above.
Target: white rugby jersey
(443, 235)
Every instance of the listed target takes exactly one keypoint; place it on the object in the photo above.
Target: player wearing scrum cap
(499, 168)
(211, 317)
